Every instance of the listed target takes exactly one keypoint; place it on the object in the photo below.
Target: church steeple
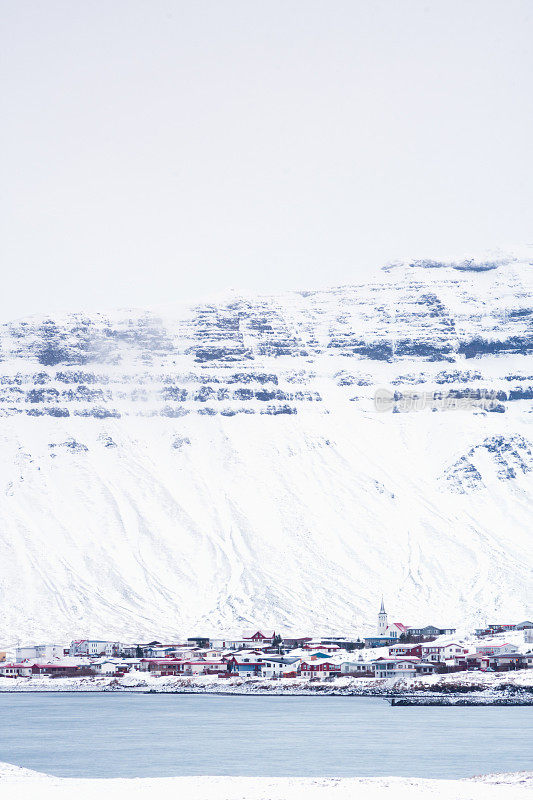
(382, 620)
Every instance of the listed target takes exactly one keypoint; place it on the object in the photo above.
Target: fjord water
(161, 735)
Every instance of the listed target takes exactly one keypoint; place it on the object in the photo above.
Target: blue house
(245, 668)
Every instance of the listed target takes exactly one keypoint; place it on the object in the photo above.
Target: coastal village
(395, 652)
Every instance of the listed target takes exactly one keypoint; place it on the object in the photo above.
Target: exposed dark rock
(178, 442)
(70, 445)
(169, 411)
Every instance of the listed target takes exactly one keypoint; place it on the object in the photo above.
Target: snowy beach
(16, 783)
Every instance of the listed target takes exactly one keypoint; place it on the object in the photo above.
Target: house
(321, 668)
(137, 650)
(402, 667)
(225, 643)
(162, 666)
(528, 636)
(292, 643)
(499, 627)
(63, 669)
(441, 652)
(94, 647)
(247, 668)
(131, 651)
(379, 641)
(279, 666)
(320, 647)
(174, 666)
(342, 642)
(39, 652)
(522, 626)
(216, 667)
(496, 661)
(385, 633)
(158, 651)
(198, 641)
(213, 653)
(107, 667)
(193, 667)
(496, 649)
(359, 668)
(314, 654)
(473, 661)
(15, 670)
(258, 640)
(430, 630)
(167, 651)
(506, 661)
(406, 650)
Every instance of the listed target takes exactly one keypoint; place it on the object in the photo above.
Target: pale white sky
(159, 150)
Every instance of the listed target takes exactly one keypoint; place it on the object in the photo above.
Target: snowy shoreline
(18, 782)
(458, 689)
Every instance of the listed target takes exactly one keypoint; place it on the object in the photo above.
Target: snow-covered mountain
(276, 461)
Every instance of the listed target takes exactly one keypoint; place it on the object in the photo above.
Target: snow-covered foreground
(16, 783)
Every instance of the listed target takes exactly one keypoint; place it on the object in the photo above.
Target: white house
(442, 652)
(94, 647)
(39, 652)
(278, 666)
(199, 667)
(105, 666)
(356, 667)
(401, 667)
(258, 640)
(217, 652)
(15, 670)
(528, 635)
(395, 667)
(496, 649)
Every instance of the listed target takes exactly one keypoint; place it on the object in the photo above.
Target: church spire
(382, 620)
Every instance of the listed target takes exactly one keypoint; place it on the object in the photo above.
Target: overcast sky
(162, 150)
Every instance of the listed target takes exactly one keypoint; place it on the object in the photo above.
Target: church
(385, 633)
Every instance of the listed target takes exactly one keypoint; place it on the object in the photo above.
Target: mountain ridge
(230, 466)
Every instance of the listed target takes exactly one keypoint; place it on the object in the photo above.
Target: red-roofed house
(319, 669)
(15, 670)
(496, 649)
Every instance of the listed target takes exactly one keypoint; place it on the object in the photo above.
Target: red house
(319, 669)
(406, 650)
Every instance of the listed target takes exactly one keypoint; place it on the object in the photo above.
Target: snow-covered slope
(229, 466)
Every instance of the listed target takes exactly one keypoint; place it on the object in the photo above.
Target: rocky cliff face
(272, 460)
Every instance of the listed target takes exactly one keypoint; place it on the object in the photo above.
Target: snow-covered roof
(396, 659)
(265, 632)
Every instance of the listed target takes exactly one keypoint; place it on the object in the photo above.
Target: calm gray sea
(149, 735)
